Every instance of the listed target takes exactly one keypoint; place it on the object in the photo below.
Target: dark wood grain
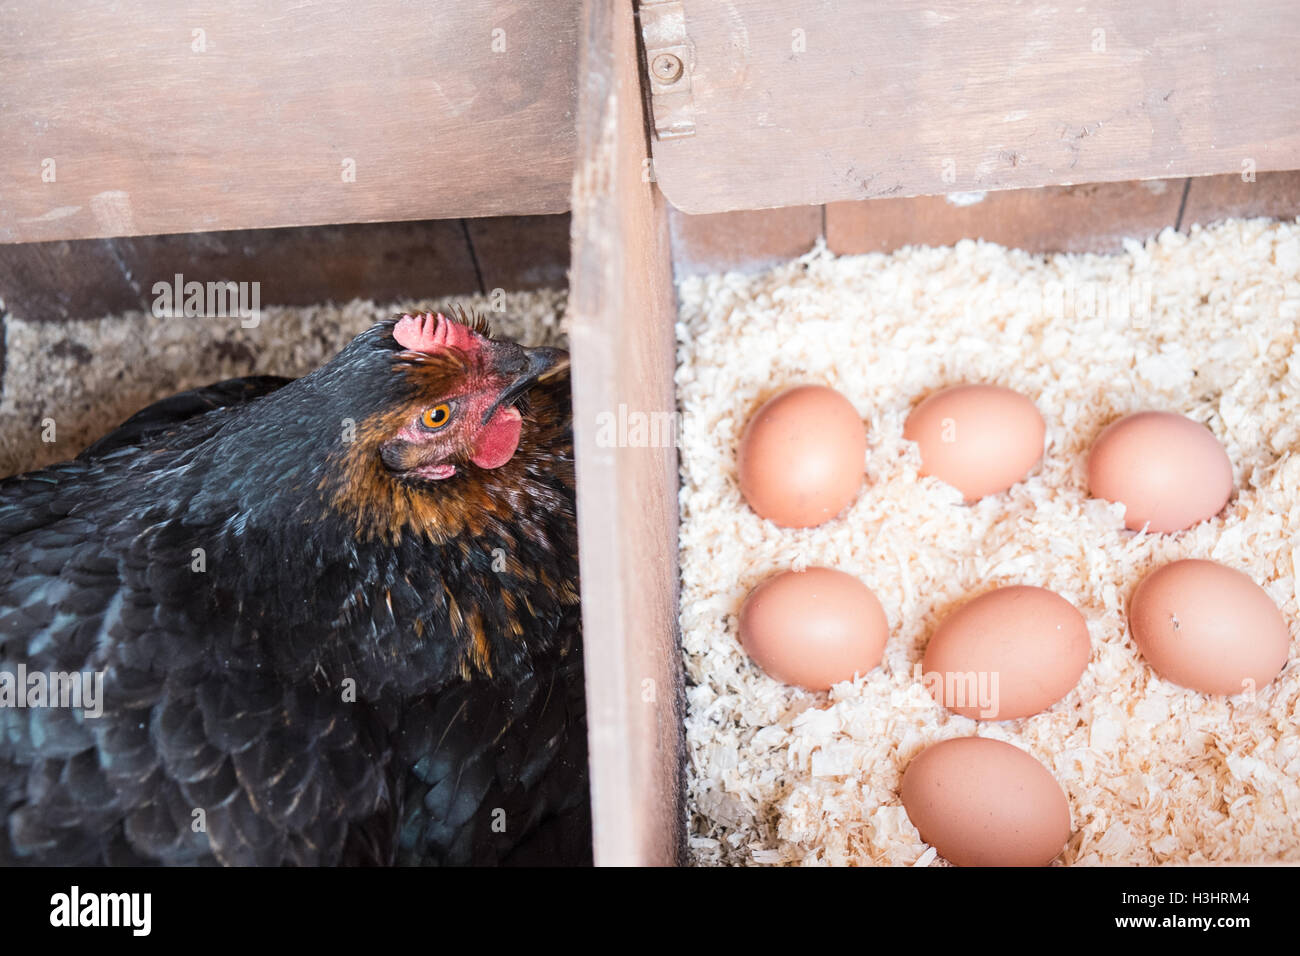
(521, 252)
(1272, 195)
(622, 310)
(1094, 218)
(745, 240)
(386, 262)
(149, 135)
(893, 98)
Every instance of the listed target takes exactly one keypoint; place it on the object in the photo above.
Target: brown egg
(813, 628)
(801, 456)
(1208, 627)
(1009, 653)
(981, 439)
(982, 802)
(1168, 471)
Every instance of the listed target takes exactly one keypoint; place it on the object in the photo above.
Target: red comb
(430, 332)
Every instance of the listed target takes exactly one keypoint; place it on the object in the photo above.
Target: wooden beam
(1094, 218)
(385, 262)
(521, 252)
(1211, 198)
(622, 310)
(137, 117)
(746, 240)
(794, 102)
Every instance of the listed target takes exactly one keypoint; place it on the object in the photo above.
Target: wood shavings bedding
(1202, 324)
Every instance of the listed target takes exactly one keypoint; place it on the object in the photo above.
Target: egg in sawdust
(1209, 627)
(1168, 471)
(1009, 653)
(981, 439)
(982, 802)
(801, 457)
(813, 628)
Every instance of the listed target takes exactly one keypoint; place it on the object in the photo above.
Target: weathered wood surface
(384, 262)
(521, 252)
(169, 117)
(805, 103)
(622, 309)
(1097, 217)
(1211, 198)
(746, 240)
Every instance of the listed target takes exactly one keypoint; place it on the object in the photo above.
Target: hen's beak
(524, 368)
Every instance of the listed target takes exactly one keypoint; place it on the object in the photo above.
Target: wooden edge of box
(622, 312)
(142, 118)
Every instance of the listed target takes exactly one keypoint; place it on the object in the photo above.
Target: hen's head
(435, 420)
(461, 388)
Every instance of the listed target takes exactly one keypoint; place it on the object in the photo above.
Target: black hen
(336, 620)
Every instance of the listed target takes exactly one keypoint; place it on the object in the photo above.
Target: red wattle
(499, 439)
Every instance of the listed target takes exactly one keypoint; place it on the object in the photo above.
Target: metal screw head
(666, 68)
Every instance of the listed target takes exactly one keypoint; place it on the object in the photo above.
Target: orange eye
(435, 417)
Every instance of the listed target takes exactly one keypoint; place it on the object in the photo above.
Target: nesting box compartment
(727, 110)
(684, 136)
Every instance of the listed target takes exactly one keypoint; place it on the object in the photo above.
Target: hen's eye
(435, 417)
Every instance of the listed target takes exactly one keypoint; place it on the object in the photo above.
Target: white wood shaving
(1154, 773)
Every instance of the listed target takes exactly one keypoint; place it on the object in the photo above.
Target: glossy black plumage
(312, 684)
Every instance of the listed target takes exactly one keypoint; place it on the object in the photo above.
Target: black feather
(268, 697)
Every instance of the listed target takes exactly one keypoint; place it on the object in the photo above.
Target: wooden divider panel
(622, 310)
(794, 102)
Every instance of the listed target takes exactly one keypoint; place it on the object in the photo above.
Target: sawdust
(1202, 324)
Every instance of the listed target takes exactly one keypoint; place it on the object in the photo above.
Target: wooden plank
(1092, 218)
(744, 240)
(66, 280)
(385, 262)
(180, 117)
(1273, 195)
(806, 102)
(521, 252)
(622, 310)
